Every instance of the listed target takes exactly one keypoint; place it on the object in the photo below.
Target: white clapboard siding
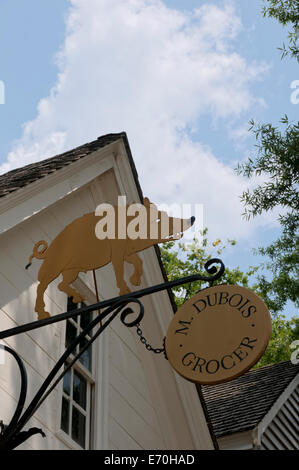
(134, 398)
(42, 420)
(18, 245)
(283, 431)
(119, 435)
(19, 310)
(134, 408)
(112, 446)
(122, 358)
(41, 348)
(50, 442)
(134, 424)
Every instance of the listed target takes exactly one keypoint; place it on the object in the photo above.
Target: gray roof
(20, 177)
(239, 405)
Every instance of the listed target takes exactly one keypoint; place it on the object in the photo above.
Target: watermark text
(295, 93)
(148, 222)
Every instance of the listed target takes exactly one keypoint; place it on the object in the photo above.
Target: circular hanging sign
(218, 334)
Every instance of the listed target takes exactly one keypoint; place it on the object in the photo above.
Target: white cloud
(139, 66)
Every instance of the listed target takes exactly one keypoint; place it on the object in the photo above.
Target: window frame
(85, 412)
(91, 380)
(90, 373)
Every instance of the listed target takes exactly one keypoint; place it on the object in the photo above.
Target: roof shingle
(20, 177)
(239, 405)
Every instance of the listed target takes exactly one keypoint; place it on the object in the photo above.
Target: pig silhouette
(77, 248)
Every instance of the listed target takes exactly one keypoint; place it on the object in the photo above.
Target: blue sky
(30, 34)
(208, 134)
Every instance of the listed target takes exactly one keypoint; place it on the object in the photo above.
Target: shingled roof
(239, 405)
(20, 177)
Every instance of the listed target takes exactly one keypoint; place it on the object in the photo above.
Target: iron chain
(146, 344)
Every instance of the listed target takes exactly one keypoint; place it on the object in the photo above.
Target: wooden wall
(138, 403)
(282, 432)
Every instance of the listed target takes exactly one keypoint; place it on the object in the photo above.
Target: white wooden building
(119, 396)
(257, 411)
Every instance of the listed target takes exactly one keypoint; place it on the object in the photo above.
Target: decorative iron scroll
(12, 435)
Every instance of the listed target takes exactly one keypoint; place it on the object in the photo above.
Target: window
(78, 384)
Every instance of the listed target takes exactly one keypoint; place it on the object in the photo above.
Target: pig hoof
(43, 315)
(136, 281)
(124, 291)
(78, 298)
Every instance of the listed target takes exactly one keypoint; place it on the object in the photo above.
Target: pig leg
(118, 265)
(134, 259)
(68, 277)
(40, 304)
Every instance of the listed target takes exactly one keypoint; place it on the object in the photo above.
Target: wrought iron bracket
(12, 435)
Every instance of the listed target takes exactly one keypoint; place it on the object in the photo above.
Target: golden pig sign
(80, 248)
(218, 334)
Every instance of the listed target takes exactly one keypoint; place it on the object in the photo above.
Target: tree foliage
(181, 259)
(284, 333)
(287, 13)
(277, 161)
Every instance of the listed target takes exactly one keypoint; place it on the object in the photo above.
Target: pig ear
(146, 201)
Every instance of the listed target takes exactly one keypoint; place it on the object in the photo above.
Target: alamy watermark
(295, 354)
(2, 92)
(295, 93)
(148, 222)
